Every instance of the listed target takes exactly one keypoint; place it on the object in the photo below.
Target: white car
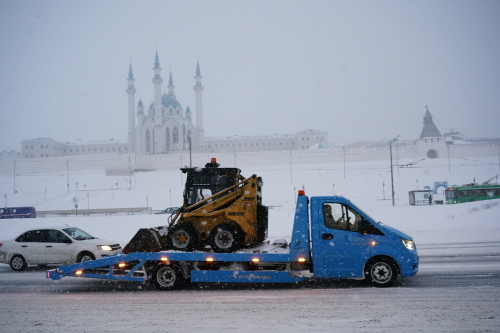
(48, 246)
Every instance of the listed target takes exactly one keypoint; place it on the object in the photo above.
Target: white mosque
(165, 127)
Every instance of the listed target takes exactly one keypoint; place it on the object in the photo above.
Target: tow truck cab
(347, 243)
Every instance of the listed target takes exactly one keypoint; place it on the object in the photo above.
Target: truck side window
(335, 216)
(341, 217)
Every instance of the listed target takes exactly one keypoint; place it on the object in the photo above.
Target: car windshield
(78, 234)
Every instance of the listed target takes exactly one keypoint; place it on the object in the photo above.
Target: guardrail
(105, 211)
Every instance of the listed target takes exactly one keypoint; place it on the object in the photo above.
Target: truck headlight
(409, 244)
(104, 247)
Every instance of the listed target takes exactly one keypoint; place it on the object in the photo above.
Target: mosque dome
(167, 101)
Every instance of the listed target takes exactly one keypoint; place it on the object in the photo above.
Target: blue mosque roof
(167, 101)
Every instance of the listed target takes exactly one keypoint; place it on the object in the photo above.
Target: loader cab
(202, 183)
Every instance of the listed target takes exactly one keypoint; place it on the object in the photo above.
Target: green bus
(472, 192)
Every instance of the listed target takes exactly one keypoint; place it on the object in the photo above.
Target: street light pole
(14, 176)
(190, 161)
(449, 169)
(343, 150)
(392, 177)
(67, 174)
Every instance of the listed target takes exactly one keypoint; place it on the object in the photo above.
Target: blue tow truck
(331, 239)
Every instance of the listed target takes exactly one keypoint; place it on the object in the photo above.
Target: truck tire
(181, 237)
(167, 277)
(18, 263)
(226, 238)
(381, 272)
(85, 256)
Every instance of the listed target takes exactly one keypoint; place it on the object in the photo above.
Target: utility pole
(392, 178)
(343, 150)
(383, 188)
(291, 179)
(181, 158)
(190, 163)
(15, 177)
(67, 173)
(449, 169)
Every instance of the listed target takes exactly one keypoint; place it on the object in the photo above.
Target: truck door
(341, 247)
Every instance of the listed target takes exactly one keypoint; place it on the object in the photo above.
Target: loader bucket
(146, 240)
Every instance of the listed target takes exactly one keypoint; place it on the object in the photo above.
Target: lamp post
(343, 150)
(15, 177)
(67, 174)
(75, 200)
(392, 178)
(449, 169)
(181, 158)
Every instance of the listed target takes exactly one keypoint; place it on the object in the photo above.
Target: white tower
(140, 120)
(157, 81)
(198, 88)
(131, 105)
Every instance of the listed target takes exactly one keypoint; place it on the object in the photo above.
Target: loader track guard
(221, 209)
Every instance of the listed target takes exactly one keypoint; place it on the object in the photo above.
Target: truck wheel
(17, 263)
(226, 238)
(181, 237)
(381, 272)
(85, 256)
(167, 277)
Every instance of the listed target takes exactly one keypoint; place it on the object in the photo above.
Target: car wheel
(85, 256)
(381, 272)
(226, 238)
(181, 237)
(17, 263)
(167, 277)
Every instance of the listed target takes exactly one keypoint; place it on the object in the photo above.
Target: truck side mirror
(365, 227)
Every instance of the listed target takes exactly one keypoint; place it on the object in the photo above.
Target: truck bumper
(409, 266)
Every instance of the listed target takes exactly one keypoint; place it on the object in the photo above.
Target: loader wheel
(226, 238)
(167, 277)
(181, 237)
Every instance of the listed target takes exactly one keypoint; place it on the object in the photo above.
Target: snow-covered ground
(437, 229)
(366, 184)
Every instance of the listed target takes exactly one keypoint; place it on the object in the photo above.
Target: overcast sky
(361, 70)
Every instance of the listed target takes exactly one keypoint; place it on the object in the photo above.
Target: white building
(165, 127)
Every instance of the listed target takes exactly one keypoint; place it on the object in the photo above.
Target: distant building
(45, 147)
(164, 127)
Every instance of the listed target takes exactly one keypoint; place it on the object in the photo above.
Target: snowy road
(453, 292)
